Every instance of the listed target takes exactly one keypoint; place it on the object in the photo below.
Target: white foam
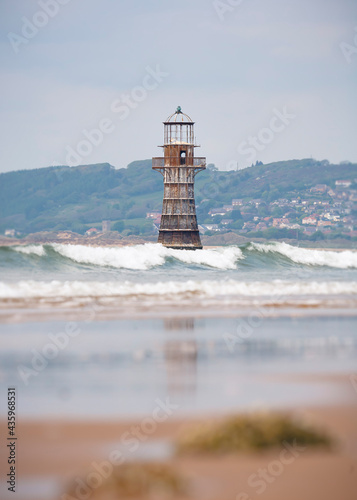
(179, 289)
(38, 250)
(142, 257)
(342, 260)
(220, 258)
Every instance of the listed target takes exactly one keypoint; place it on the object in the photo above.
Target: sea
(105, 332)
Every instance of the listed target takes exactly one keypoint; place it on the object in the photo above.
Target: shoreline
(95, 312)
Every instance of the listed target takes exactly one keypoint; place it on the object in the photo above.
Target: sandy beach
(55, 451)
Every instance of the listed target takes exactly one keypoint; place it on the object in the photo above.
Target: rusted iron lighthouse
(178, 228)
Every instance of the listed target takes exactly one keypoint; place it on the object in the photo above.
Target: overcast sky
(264, 80)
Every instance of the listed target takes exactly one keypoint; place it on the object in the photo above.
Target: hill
(77, 198)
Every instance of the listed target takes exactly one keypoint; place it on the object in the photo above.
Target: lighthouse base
(181, 240)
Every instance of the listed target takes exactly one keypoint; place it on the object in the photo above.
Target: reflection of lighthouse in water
(180, 357)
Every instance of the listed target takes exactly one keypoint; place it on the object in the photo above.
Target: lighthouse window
(183, 157)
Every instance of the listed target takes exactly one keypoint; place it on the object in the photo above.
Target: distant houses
(92, 231)
(312, 221)
(11, 233)
(106, 225)
(319, 188)
(261, 226)
(226, 222)
(216, 211)
(343, 183)
(280, 222)
(152, 215)
(212, 227)
(319, 209)
(156, 218)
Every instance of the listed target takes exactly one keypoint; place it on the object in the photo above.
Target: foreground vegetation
(242, 433)
(138, 480)
(249, 433)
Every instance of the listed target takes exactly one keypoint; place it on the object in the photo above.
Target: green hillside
(76, 198)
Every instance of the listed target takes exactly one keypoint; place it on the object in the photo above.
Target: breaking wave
(38, 250)
(152, 255)
(139, 257)
(339, 259)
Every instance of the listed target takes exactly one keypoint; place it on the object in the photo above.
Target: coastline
(116, 240)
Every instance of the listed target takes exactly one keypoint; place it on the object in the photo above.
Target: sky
(85, 81)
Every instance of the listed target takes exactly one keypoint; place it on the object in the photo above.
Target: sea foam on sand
(181, 289)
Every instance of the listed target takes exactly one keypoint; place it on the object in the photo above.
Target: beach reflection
(181, 357)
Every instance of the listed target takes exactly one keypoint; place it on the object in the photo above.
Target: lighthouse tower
(178, 228)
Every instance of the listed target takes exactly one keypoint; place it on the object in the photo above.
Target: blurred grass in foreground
(244, 433)
(138, 480)
(249, 433)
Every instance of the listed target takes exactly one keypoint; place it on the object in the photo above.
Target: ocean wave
(143, 257)
(339, 259)
(38, 250)
(170, 289)
(150, 255)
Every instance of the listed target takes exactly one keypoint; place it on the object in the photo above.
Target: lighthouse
(179, 166)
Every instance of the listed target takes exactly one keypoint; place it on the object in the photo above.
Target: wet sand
(32, 310)
(63, 449)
